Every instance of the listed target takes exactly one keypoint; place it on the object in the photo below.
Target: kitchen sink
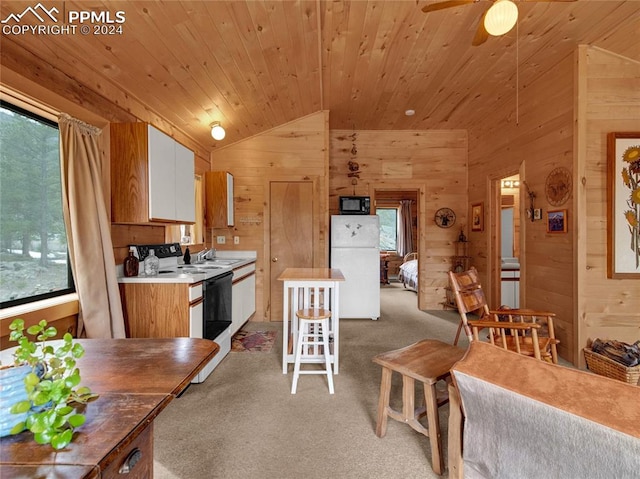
(226, 261)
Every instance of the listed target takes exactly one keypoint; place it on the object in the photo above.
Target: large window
(33, 244)
(388, 228)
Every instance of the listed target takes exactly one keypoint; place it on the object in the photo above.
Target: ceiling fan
(497, 20)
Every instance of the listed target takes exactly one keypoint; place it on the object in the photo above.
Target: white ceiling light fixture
(410, 112)
(501, 17)
(217, 132)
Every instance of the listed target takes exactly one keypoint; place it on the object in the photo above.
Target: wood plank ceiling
(254, 65)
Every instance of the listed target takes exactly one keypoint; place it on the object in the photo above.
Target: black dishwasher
(217, 305)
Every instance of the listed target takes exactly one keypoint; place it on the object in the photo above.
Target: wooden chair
(518, 330)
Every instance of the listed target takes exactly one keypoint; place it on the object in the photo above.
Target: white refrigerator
(355, 250)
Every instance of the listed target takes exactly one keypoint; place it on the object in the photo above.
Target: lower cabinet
(243, 296)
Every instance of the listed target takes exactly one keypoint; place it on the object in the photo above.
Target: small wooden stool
(313, 334)
(427, 361)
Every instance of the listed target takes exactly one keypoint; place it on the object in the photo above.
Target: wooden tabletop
(136, 379)
(311, 274)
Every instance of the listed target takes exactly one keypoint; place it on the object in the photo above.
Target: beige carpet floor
(242, 422)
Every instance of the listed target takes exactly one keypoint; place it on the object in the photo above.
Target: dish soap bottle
(131, 264)
(151, 264)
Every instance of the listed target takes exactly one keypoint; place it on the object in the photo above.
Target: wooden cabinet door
(291, 234)
(219, 199)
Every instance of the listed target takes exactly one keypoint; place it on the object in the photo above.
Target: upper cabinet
(219, 195)
(152, 176)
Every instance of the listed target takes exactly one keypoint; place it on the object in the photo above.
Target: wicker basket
(604, 366)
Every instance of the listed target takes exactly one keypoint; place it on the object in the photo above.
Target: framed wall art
(623, 212)
(557, 221)
(477, 217)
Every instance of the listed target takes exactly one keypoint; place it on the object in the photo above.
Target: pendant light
(217, 132)
(501, 17)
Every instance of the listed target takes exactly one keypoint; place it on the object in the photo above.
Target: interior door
(291, 234)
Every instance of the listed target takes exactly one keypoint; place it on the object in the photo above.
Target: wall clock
(557, 188)
(445, 218)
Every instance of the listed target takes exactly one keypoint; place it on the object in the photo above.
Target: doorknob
(274, 259)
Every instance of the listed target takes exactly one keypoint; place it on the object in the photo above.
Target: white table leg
(285, 327)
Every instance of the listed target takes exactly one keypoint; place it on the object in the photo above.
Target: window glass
(388, 228)
(33, 243)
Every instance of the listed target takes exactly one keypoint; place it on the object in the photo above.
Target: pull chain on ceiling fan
(497, 20)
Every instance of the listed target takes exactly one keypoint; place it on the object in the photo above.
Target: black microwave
(355, 205)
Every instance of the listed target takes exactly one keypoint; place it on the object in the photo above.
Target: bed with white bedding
(408, 274)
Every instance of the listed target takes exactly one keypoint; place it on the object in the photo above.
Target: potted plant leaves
(51, 382)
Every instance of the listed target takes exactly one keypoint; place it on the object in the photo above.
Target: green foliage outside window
(388, 228)
(33, 243)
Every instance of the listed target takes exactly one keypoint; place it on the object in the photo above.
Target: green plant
(53, 386)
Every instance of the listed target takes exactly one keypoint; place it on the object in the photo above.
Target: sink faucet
(205, 254)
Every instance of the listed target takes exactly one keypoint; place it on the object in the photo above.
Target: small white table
(309, 288)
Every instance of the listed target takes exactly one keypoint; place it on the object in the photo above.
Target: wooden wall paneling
(384, 158)
(124, 235)
(294, 151)
(541, 139)
(609, 101)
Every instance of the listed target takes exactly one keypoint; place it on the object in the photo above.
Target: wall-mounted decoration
(445, 218)
(532, 196)
(623, 214)
(477, 217)
(537, 214)
(557, 187)
(557, 221)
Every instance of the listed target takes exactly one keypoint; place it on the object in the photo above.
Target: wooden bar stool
(427, 361)
(313, 336)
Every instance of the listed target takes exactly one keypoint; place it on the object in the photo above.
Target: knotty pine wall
(563, 273)
(608, 101)
(537, 140)
(294, 151)
(433, 163)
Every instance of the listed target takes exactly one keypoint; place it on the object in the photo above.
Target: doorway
(509, 253)
(392, 258)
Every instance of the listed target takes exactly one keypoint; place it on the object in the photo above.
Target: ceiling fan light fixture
(217, 132)
(501, 17)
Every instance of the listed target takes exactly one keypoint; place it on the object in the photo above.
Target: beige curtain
(89, 231)
(405, 233)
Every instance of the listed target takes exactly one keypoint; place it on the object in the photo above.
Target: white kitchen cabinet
(219, 212)
(243, 296)
(196, 311)
(152, 176)
(185, 207)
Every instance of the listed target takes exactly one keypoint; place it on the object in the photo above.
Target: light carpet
(242, 422)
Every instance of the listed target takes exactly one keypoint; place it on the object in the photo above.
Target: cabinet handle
(274, 259)
(131, 461)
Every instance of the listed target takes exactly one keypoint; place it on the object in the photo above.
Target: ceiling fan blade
(481, 35)
(448, 4)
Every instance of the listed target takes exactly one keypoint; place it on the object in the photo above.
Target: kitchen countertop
(224, 262)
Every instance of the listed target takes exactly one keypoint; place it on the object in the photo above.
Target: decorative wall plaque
(557, 188)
